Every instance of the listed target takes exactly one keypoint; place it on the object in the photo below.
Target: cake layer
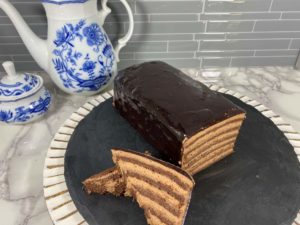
(203, 145)
(170, 109)
(208, 143)
(133, 164)
(211, 159)
(210, 140)
(213, 131)
(167, 189)
(200, 154)
(158, 207)
(153, 219)
(160, 190)
(157, 198)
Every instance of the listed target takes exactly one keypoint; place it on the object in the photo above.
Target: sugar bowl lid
(15, 86)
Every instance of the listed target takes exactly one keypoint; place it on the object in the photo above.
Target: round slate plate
(258, 184)
(59, 202)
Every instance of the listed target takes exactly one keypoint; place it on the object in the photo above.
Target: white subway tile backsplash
(240, 16)
(277, 25)
(183, 46)
(23, 58)
(40, 19)
(237, 6)
(212, 36)
(115, 18)
(126, 55)
(184, 63)
(12, 49)
(163, 55)
(263, 61)
(5, 58)
(244, 44)
(28, 9)
(173, 17)
(276, 53)
(9, 30)
(170, 7)
(295, 44)
(264, 35)
(291, 15)
(286, 5)
(215, 62)
(162, 37)
(185, 33)
(168, 27)
(145, 47)
(224, 53)
(229, 26)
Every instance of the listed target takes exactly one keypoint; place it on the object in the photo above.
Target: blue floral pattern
(19, 88)
(87, 70)
(23, 114)
(94, 36)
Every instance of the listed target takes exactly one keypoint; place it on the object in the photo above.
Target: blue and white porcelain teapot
(77, 54)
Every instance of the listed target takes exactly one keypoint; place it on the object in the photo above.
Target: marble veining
(23, 148)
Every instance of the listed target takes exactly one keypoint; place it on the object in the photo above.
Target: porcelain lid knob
(14, 86)
(10, 69)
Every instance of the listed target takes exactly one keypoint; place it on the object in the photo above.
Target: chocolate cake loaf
(191, 124)
(161, 189)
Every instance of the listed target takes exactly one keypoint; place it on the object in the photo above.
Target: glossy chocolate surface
(181, 103)
(166, 106)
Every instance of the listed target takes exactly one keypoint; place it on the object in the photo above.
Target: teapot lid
(15, 86)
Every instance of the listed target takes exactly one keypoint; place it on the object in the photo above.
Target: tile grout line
(201, 63)
(271, 5)
(254, 25)
(230, 62)
(290, 44)
(203, 6)
(168, 46)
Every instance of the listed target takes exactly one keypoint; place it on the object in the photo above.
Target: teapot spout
(35, 45)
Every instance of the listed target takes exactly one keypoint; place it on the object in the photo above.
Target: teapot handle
(122, 41)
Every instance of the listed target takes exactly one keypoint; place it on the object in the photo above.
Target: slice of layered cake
(161, 189)
(108, 181)
(191, 124)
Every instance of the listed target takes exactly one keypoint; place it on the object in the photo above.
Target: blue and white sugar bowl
(23, 98)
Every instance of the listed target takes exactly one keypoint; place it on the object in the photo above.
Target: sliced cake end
(108, 181)
(160, 188)
(211, 144)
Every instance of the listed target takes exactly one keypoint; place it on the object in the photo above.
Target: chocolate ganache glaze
(167, 106)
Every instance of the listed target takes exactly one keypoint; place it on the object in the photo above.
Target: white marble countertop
(23, 148)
